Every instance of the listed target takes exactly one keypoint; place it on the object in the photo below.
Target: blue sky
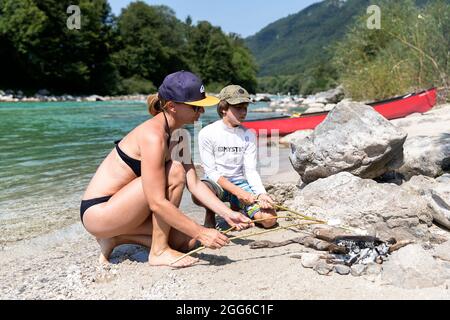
(245, 17)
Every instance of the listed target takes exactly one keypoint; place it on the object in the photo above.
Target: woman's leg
(210, 216)
(126, 218)
(163, 238)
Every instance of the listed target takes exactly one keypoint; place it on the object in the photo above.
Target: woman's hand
(238, 220)
(265, 201)
(246, 198)
(213, 239)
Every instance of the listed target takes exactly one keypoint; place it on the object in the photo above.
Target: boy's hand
(265, 201)
(238, 220)
(246, 198)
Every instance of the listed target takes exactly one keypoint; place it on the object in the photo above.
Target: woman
(134, 196)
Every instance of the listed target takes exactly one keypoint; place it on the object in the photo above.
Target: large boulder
(413, 268)
(353, 138)
(427, 148)
(384, 210)
(436, 192)
(429, 156)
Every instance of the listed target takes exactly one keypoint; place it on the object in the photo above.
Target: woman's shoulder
(149, 131)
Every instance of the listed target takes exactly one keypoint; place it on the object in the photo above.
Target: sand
(63, 265)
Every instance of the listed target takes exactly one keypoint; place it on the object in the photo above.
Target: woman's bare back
(113, 173)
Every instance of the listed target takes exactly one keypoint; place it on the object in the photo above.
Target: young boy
(228, 156)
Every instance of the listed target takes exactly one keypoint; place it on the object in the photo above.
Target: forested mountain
(298, 53)
(290, 45)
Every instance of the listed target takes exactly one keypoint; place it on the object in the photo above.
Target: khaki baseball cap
(234, 94)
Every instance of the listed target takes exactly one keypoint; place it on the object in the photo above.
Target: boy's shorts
(225, 196)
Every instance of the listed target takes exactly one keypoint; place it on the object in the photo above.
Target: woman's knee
(177, 174)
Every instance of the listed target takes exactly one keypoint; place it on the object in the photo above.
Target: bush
(409, 52)
(137, 85)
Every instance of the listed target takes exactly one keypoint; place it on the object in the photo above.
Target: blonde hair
(155, 104)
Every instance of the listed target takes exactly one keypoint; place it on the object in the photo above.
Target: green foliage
(220, 59)
(137, 85)
(39, 51)
(293, 44)
(112, 55)
(146, 50)
(409, 52)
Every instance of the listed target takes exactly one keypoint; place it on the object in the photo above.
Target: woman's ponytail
(155, 104)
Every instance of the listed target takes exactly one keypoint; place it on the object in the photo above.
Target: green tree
(45, 53)
(151, 43)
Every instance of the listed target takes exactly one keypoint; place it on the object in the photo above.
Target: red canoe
(394, 108)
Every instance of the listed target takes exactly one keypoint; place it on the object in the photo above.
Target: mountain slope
(289, 45)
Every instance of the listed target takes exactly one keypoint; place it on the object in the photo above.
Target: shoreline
(63, 265)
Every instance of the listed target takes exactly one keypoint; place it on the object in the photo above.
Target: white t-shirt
(229, 153)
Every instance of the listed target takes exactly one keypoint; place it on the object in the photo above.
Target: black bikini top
(134, 164)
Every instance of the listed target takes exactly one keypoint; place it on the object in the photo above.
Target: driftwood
(306, 240)
(399, 244)
(327, 239)
(329, 234)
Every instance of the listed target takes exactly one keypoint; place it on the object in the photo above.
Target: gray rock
(373, 269)
(315, 107)
(443, 251)
(281, 192)
(342, 269)
(330, 96)
(384, 210)
(353, 138)
(323, 268)
(310, 260)
(43, 92)
(294, 137)
(329, 106)
(436, 192)
(428, 156)
(358, 270)
(412, 267)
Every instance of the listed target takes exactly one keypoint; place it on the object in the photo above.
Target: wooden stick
(242, 237)
(225, 232)
(299, 214)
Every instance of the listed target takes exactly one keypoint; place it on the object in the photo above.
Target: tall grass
(410, 52)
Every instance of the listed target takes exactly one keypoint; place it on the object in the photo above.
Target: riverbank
(46, 96)
(63, 265)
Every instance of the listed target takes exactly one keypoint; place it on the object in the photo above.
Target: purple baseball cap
(186, 87)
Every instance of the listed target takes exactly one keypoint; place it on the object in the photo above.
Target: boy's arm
(252, 175)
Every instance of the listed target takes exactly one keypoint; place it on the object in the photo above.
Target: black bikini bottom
(86, 204)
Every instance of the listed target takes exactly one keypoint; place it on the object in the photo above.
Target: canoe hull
(395, 108)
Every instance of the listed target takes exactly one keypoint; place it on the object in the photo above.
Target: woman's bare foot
(106, 247)
(168, 256)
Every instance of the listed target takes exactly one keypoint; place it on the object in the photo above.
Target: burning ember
(361, 250)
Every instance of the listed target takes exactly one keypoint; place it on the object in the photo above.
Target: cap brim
(209, 101)
(234, 101)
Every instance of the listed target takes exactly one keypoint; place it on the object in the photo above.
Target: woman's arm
(210, 200)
